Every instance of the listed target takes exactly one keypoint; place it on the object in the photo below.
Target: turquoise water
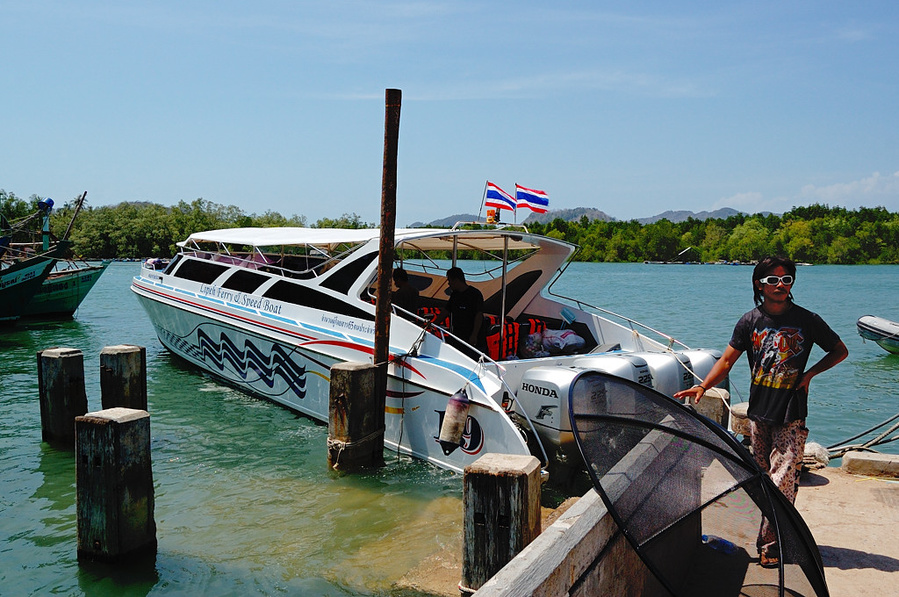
(699, 305)
(245, 504)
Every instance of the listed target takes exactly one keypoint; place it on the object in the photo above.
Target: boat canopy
(424, 239)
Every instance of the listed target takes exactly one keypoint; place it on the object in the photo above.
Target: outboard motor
(702, 361)
(670, 371)
(543, 395)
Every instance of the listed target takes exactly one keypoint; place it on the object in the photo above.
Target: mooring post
(114, 484)
(501, 503)
(392, 101)
(60, 373)
(123, 376)
(355, 425)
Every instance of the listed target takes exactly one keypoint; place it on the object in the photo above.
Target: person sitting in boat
(405, 296)
(465, 309)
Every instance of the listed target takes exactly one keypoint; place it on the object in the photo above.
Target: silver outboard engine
(543, 395)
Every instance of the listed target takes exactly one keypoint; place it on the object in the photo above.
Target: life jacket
(430, 313)
(509, 341)
(535, 325)
(490, 320)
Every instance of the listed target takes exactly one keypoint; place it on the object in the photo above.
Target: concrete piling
(62, 394)
(501, 502)
(114, 485)
(355, 417)
(123, 376)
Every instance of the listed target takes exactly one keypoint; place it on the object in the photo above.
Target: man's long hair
(763, 268)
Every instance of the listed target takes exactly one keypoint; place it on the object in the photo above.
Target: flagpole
(483, 200)
(515, 210)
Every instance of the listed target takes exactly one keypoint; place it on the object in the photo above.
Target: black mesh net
(687, 496)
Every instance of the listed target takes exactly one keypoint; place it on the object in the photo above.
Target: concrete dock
(853, 518)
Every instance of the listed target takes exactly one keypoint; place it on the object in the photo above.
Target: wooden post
(713, 406)
(60, 374)
(501, 502)
(114, 484)
(739, 421)
(392, 100)
(355, 425)
(123, 376)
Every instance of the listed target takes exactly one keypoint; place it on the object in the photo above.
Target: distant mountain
(574, 215)
(449, 221)
(680, 216)
(569, 215)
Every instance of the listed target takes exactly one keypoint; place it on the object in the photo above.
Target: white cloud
(873, 191)
(874, 188)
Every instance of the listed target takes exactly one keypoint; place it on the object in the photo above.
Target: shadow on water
(135, 576)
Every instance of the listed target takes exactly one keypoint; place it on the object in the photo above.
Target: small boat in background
(64, 288)
(883, 332)
(40, 278)
(21, 276)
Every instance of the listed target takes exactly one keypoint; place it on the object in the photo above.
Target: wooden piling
(123, 376)
(713, 406)
(63, 397)
(501, 502)
(355, 423)
(114, 485)
(739, 421)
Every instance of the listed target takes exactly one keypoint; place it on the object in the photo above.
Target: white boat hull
(290, 365)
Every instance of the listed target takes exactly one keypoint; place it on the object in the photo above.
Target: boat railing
(636, 327)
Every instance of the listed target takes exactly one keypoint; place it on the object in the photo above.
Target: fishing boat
(883, 332)
(271, 310)
(64, 281)
(62, 291)
(21, 275)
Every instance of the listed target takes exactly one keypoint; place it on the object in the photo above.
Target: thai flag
(498, 198)
(535, 200)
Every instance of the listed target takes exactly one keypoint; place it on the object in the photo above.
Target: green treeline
(813, 234)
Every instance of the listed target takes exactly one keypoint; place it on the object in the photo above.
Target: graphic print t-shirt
(778, 349)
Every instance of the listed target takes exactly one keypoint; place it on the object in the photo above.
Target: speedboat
(271, 310)
(883, 332)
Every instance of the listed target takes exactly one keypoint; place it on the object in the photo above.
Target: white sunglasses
(774, 280)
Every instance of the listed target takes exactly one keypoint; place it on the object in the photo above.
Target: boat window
(173, 263)
(298, 294)
(200, 270)
(244, 281)
(344, 276)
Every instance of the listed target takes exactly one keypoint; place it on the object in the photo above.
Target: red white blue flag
(535, 200)
(498, 198)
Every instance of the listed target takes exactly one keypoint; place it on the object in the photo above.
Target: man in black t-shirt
(466, 308)
(777, 337)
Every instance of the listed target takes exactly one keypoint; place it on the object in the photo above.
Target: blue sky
(632, 108)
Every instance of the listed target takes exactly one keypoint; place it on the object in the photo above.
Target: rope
(880, 439)
(854, 437)
(340, 445)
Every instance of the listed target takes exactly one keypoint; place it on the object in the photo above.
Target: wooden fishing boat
(883, 332)
(64, 288)
(21, 276)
